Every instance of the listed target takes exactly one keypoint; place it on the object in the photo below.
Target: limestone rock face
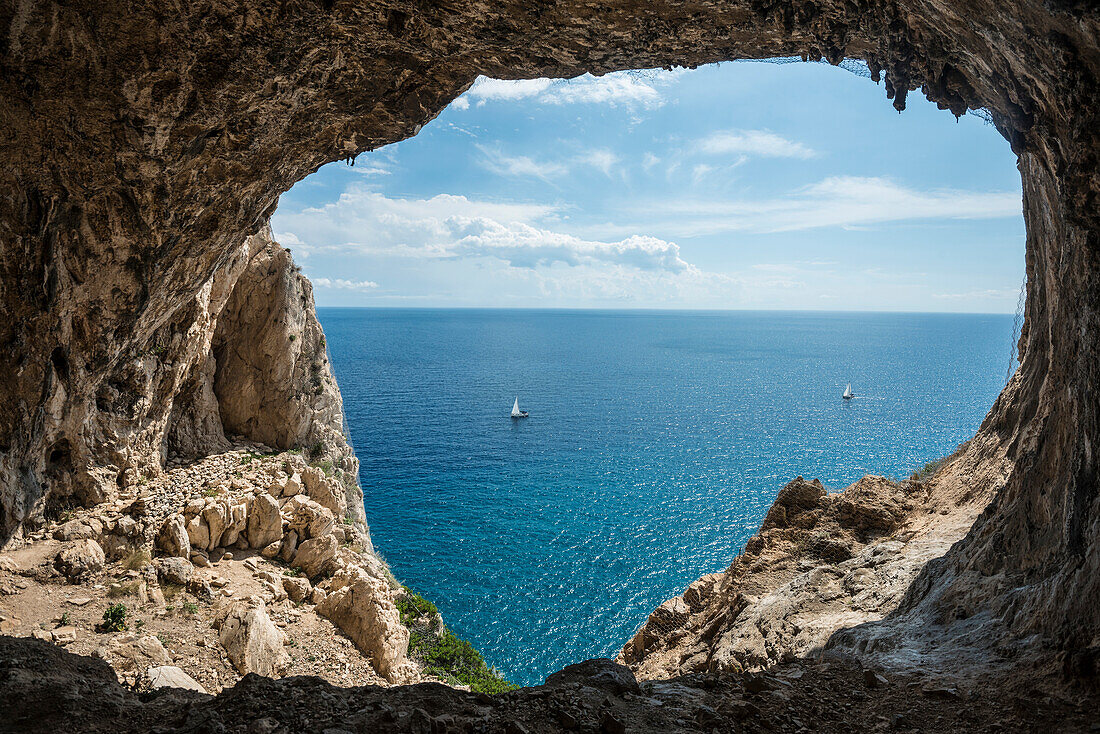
(362, 606)
(252, 641)
(80, 559)
(308, 518)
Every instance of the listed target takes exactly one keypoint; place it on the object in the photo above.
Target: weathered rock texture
(146, 145)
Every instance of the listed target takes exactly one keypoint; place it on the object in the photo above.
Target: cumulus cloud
(752, 143)
(455, 227)
(627, 89)
(342, 284)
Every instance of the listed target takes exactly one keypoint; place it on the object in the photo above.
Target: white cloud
(342, 284)
(629, 89)
(521, 166)
(838, 201)
(759, 143)
(988, 294)
(454, 227)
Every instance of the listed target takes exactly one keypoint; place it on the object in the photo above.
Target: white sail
(848, 391)
(515, 409)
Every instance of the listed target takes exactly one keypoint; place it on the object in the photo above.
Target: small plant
(163, 637)
(293, 337)
(139, 624)
(292, 572)
(64, 621)
(348, 521)
(114, 619)
(137, 560)
(190, 607)
(291, 642)
(326, 467)
(316, 450)
(210, 492)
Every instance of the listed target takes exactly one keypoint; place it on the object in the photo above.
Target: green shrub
(444, 654)
(455, 660)
(190, 607)
(114, 619)
(412, 607)
(316, 450)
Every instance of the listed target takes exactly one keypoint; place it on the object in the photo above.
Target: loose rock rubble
(223, 567)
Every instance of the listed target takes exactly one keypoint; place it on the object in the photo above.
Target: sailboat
(516, 412)
(848, 394)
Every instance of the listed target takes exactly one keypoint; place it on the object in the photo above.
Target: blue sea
(655, 444)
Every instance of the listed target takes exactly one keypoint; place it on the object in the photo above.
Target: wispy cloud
(752, 143)
(837, 201)
(987, 294)
(342, 284)
(628, 89)
(521, 166)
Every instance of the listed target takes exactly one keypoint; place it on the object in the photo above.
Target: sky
(732, 186)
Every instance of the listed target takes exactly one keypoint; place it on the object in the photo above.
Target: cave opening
(453, 205)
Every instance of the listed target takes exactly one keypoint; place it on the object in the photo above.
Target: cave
(145, 147)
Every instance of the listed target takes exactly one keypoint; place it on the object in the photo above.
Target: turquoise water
(655, 444)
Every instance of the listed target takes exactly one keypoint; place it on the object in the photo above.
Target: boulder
(251, 640)
(317, 556)
(308, 518)
(169, 676)
(265, 524)
(362, 606)
(198, 533)
(136, 652)
(872, 506)
(325, 491)
(80, 558)
(79, 529)
(172, 537)
(173, 570)
(297, 588)
(236, 523)
(795, 499)
(216, 517)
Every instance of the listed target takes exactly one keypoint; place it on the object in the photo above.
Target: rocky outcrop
(821, 563)
(362, 606)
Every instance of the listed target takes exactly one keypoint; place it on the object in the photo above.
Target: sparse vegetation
(210, 492)
(293, 337)
(190, 607)
(316, 450)
(114, 619)
(930, 469)
(442, 653)
(64, 621)
(292, 572)
(137, 560)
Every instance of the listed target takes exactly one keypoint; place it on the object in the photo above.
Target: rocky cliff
(146, 144)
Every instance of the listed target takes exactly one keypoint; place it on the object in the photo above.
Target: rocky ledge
(821, 562)
(245, 562)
